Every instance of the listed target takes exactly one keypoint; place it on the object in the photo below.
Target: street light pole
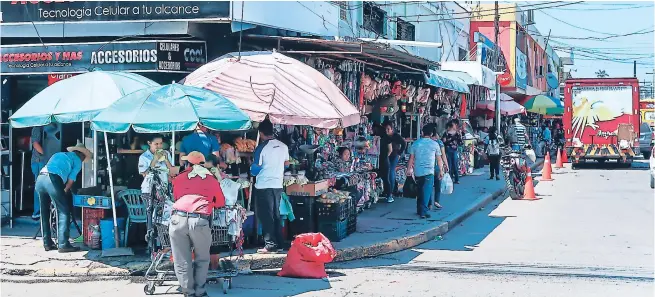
(497, 58)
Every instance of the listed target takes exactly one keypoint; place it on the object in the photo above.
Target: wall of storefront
(506, 41)
(455, 31)
(320, 18)
(426, 18)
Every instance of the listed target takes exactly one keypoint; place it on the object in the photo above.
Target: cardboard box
(310, 189)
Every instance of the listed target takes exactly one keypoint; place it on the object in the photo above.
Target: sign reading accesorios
(139, 56)
(102, 11)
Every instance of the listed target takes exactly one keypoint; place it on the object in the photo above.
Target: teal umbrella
(78, 99)
(170, 108)
(545, 105)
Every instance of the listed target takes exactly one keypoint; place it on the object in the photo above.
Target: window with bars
(343, 9)
(405, 30)
(374, 18)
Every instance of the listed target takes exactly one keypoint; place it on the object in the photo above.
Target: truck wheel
(652, 181)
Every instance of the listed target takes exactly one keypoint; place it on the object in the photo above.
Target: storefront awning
(376, 56)
(482, 74)
(446, 80)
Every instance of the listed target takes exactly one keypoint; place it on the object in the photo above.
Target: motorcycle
(515, 169)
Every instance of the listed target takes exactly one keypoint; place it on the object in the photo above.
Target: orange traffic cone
(565, 158)
(528, 191)
(548, 170)
(558, 162)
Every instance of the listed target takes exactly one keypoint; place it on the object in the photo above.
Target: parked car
(652, 168)
(645, 140)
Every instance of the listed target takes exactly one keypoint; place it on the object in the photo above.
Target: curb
(276, 261)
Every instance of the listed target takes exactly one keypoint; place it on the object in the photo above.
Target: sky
(614, 55)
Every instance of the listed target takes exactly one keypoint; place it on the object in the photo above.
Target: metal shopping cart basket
(226, 231)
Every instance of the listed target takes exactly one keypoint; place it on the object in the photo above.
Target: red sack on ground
(307, 256)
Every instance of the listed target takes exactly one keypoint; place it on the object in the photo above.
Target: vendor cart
(226, 229)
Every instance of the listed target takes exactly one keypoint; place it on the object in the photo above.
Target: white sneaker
(390, 199)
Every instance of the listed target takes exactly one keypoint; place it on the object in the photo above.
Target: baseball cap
(195, 158)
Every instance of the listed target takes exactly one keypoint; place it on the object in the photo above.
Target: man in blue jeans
(54, 183)
(45, 142)
(424, 154)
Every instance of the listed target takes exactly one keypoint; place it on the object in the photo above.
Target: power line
(605, 9)
(476, 16)
(574, 26)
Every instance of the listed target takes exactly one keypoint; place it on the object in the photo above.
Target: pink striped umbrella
(270, 84)
(507, 105)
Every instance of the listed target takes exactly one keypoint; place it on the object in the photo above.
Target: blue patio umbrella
(170, 108)
(78, 99)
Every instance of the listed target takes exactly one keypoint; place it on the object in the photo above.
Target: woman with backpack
(493, 153)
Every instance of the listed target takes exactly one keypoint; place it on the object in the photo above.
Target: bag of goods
(447, 185)
(307, 256)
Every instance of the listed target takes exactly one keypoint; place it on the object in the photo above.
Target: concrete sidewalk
(383, 229)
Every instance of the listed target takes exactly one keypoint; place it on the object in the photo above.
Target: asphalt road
(591, 234)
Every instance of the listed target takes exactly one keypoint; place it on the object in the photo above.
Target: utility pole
(497, 58)
(635, 69)
(652, 84)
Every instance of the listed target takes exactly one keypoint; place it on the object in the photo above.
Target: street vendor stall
(78, 100)
(173, 108)
(298, 99)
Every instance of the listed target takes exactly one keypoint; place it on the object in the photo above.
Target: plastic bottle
(95, 236)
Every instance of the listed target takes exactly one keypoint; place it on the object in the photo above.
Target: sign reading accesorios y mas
(102, 11)
(138, 56)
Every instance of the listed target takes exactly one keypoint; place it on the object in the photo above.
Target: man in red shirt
(196, 192)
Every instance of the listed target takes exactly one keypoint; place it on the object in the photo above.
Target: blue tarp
(441, 79)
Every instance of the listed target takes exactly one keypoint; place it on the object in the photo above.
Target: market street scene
(327, 148)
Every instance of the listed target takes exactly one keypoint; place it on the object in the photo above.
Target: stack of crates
(333, 218)
(303, 210)
(352, 216)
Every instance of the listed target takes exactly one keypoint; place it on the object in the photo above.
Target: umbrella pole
(115, 251)
(173, 149)
(251, 178)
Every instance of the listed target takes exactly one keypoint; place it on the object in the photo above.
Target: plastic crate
(91, 201)
(352, 223)
(90, 216)
(331, 212)
(334, 231)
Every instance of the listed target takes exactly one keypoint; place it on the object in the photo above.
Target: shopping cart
(226, 222)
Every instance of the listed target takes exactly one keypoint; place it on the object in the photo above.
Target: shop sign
(504, 79)
(53, 78)
(136, 56)
(106, 11)
(521, 70)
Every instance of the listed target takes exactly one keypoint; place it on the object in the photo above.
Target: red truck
(601, 119)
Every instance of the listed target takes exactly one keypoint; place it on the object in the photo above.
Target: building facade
(531, 67)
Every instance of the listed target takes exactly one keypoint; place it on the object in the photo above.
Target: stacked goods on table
(245, 145)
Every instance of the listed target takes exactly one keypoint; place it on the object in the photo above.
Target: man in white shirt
(271, 158)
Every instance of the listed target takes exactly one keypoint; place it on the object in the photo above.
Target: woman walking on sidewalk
(493, 152)
(452, 139)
